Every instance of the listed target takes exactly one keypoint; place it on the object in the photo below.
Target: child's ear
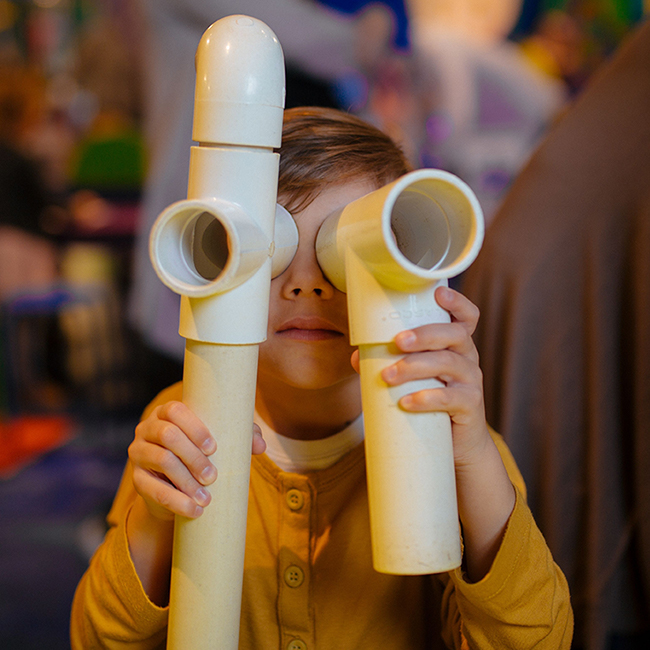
(354, 360)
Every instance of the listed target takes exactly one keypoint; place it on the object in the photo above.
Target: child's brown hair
(323, 146)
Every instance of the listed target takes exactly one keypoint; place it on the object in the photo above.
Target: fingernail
(406, 401)
(209, 445)
(202, 497)
(209, 473)
(405, 338)
(389, 373)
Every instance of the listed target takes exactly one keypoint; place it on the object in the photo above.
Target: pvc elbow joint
(389, 249)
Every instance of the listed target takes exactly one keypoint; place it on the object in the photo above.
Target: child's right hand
(170, 461)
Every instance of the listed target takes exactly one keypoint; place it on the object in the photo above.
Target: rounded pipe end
(240, 86)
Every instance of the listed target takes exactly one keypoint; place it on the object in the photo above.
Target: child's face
(308, 344)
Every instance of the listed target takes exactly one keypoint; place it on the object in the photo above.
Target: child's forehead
(299, 200)
(331, 199)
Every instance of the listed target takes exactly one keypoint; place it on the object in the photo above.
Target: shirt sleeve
(110, 607)
(523, 601)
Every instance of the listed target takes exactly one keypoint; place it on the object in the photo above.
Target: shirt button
(296, 644)
(294, 576)
(295, 499)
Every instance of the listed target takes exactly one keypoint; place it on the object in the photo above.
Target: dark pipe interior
(209, 247)
(421, 228)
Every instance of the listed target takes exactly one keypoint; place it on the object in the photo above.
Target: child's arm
(121, 599)
(479, 608)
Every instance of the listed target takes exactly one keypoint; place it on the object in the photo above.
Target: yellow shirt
(308, 575)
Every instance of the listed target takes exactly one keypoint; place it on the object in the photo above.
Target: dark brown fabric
(563, 284)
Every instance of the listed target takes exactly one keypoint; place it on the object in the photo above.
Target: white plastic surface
(208, 555)
(233, 190)
(285, 241)
(411, 480)
(424, 226)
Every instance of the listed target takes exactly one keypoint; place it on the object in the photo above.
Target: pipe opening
(421, 228)
(209, 246)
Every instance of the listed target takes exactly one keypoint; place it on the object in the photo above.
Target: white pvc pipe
(208, 559)
(219, 250)
(389, 251)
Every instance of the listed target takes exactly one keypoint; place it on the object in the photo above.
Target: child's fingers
(259, 444)
(159, 460)
(462, 310)
(445, 365)
(438, 336)
(180, 415)
(354, 360)
(461, 402)
(170, 438)
(162, 498)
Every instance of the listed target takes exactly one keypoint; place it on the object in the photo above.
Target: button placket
(294, 602)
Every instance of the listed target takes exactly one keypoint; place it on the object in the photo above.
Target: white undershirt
(293, 455)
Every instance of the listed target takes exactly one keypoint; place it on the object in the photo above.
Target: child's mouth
(308, 329)
(298, 334)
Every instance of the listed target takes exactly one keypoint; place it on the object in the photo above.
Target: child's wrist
(473, 455)
(150, 546)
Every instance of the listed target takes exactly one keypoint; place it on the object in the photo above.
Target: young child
(308, 508)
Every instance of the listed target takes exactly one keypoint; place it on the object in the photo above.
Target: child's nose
(305, 277)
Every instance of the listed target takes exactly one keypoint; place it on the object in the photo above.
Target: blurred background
(95, 128)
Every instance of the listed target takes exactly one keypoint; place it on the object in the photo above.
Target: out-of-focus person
(27, 258)
(557, 47)
(467, 101)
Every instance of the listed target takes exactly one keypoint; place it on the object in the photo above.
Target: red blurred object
(23, 439)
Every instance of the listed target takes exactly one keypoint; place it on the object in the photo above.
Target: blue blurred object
(401, 38)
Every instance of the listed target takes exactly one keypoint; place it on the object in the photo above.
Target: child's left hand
(446, 351)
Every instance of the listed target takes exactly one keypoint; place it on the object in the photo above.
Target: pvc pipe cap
(240, 89)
